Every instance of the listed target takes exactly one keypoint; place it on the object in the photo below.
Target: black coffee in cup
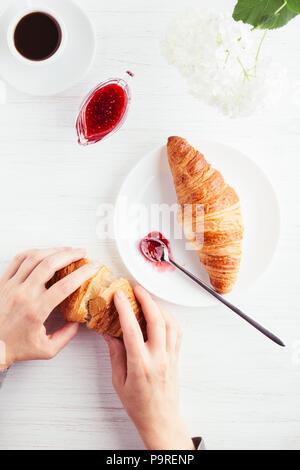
(37, 36)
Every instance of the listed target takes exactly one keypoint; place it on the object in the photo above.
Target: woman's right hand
(145, 375)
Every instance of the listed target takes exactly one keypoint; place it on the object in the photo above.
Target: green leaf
(264, 14)
(294, 5)
(278, 20)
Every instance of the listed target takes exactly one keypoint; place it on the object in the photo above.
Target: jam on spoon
(158, 252)
(152, 250)
(103, 111)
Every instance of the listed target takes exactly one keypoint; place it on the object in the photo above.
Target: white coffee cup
(11, 33)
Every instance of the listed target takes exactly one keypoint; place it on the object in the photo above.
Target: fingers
(178, 342)
(31, 261)
(162, 328)
(19, 259)
(132, 334)
(13, 267)
(48, 266)
(156, 328)
(173, 332)
(69, 284)
(59, 340)
(118, 360)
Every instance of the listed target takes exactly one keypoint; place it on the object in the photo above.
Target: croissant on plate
(210, 213)
(93, 302)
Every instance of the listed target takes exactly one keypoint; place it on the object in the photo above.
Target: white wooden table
(237, 389)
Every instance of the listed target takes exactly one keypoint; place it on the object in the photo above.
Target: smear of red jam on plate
(155, 252)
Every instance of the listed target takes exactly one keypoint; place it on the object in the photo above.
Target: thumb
(118, 360)
(62, 337)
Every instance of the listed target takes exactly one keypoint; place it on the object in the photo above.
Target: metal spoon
(163, 256)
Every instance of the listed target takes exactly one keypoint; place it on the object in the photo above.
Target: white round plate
(151, 183)
(49, 78)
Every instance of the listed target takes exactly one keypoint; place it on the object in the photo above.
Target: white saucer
(150, 182)
(51, 77)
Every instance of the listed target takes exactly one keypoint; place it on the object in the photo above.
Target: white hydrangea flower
(219, 58)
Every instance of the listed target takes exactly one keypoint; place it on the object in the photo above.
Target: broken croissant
(93, 302)
(210, 213)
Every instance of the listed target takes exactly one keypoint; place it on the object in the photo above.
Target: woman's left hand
(25, 303)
